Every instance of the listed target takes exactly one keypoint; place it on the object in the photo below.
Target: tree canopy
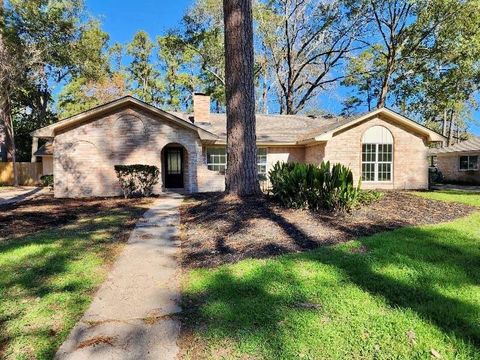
(420, 57)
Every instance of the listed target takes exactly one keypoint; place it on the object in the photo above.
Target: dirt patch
(99, 340)
(44, 212)
(216, 230)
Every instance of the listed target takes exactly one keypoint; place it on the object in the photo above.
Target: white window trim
(468, 160)
(263, 163)
(215, 164)
(376, 163)
(226, 161)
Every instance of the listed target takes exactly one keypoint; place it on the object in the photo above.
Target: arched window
(377, 154)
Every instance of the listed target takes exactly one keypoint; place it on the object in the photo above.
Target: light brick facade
(87, 149)
(410, 165)
(449, 165)
(85, 156)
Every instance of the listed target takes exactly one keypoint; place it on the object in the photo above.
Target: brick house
(460, 162)
(384, 149)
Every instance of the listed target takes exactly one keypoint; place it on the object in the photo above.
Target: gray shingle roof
(465, 146)
(275, 128)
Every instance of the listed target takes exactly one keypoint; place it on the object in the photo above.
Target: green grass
(47, 280)
(405, 294)
(469, 198)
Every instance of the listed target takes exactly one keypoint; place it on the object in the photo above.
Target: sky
(122, 19)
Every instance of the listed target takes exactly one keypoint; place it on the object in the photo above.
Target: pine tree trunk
(450, 128)
(444, 123)
(241, 174)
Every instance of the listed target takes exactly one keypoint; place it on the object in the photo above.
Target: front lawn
(452, 196)
(53, 256)
(412, 293)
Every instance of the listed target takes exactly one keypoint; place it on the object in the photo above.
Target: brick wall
(284, 154)
(85, 156)
(449, 165)
(410, 166)
(47, 165)
(315, 154)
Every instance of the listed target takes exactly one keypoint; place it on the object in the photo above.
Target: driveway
(133, 314)
(11, 195)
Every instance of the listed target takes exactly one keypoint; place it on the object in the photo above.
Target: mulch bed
(217, 230)
(44, 212)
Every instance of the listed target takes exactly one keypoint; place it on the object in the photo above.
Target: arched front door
(173, 160)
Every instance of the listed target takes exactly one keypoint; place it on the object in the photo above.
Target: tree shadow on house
(389, 285)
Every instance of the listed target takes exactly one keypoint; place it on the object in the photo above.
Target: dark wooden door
(174, 168)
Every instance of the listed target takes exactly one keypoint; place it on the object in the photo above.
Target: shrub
(327, 187)
(47, 181)
(137, 180)
(366, 197)
(435, 176)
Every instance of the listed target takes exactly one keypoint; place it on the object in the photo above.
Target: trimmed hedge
(299, 185)
(137, 180)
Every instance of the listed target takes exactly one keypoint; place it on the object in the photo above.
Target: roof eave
(51, 130)
(431, 135)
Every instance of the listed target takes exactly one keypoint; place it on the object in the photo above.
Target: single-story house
(383, 148)
(460, 162)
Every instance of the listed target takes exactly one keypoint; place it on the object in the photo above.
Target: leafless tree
(305, 42)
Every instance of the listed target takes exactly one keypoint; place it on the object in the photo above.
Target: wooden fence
(28, 173)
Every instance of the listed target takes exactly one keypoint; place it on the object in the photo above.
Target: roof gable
(271, 129)
(328, 132)
(124, 102)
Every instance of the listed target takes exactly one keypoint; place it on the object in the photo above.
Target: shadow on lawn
(46, 278)
(246, 308)
(220, 230)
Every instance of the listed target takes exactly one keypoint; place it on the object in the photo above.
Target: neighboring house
(46, 153)
(384, 149)
(460, 162)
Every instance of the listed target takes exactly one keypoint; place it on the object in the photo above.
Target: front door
(174, 168)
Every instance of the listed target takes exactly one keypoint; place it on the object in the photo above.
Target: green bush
(327, 187)
(47, 181)
(137, 180)
(366, 197)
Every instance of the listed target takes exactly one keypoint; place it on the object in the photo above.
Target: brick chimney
(201, 107)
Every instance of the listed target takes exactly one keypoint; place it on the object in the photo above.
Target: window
(217, 159)
(262, 163)
(377, 154)
(174, 161)
(468, 163)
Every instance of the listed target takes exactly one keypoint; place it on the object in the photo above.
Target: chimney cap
(199, 93)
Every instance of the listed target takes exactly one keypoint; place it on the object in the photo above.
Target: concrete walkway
(11, 195)
(133, 314)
